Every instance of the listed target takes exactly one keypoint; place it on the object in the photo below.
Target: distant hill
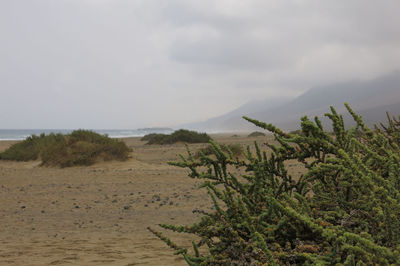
(370, 98)
(233, 120)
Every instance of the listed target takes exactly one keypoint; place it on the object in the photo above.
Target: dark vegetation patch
(236, 150)
(256, 134)
(181, 135)
(81, 147)
(296, 132)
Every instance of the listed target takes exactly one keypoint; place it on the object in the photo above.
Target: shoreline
(5, 143)
(102, 132)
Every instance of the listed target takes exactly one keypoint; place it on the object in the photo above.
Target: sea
(20, 134)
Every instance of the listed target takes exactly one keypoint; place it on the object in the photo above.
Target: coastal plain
(98, 215)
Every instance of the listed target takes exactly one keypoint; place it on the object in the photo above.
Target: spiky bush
(81, 147)
(345, 210)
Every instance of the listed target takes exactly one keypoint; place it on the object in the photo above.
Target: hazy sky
(128, 64)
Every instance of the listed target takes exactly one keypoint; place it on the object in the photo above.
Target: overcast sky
(128, 64)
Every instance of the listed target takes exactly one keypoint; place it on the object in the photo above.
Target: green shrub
(22, 151)
(152, 136)
(181, 135)
(30, 148)
(296, 132)
(345, 210)
(236, 150)
(81, 147)
(256, 134)
(155, 138)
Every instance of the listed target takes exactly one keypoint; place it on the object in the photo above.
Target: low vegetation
(345, 210)
(81, 147)
(181, 135)
(296, 132)
(256, 134)
(235, 149)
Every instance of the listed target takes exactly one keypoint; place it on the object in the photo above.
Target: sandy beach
(98, 215)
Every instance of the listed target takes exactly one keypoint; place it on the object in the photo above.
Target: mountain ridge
(371, 98)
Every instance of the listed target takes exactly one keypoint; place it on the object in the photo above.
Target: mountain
(233, 120)
(370, 98)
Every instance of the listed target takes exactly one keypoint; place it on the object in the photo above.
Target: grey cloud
(231, 51)
(117, 63)
(281, 36)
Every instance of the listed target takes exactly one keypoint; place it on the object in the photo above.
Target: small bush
(155, 138)
(297, 132)
(235, 149)
(22, 151)
(181, 135)
(31, 147)
(81, 147)
(256, 134)
(152, 136)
